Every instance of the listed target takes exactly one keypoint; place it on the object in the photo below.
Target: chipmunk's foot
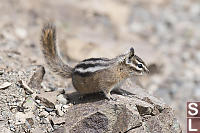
(120, 92)
(109, 97)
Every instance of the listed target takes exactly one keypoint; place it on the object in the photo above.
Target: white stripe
(91, 69)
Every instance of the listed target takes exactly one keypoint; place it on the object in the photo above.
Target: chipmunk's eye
(139, 65)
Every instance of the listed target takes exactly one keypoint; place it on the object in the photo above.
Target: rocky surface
(135, 112)
(26, 108)
(165, 33)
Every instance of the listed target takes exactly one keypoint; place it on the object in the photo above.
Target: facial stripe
(138, 62)
(133, 64)
(139, 59)
(135, 68)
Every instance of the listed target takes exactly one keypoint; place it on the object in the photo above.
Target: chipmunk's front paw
(109, 97)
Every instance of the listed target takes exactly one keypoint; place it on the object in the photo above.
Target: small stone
(144, 110)
(37, 101)
(29, 122)
(49, 96)
(62, 99)
(21, 117)
(29, 103)
(65, 107)
(45, 102)
(49, 109)
(5, 85)
(59, 110)
(27, 89)
(36, 78)
(43, 113)
(52, 113)
(1, 71)
(58, 120)
(12, 128)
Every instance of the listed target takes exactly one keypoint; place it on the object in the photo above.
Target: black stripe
(96, 59)
(85, 66)
(85, 74)
(139, 59)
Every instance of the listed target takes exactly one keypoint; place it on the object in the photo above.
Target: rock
(161, 122)
(35, 76)
(1, 71)
(22, 117)
(47, 99)
(62, 99)
(43, 113)
(29, 104)
(58, 120)
(27, 89)
(29, 122)
(5, 85)
(135, 111)
(59, 110)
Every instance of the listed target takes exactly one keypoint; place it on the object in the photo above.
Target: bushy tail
(48, 43)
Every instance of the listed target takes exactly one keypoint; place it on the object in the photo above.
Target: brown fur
(48, 43)
(103, 80)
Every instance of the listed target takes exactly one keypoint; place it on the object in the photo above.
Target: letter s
(193, 108)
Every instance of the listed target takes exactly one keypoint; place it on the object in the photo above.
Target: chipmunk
(93, 74)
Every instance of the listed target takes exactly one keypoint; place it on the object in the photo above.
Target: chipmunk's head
(135, 63)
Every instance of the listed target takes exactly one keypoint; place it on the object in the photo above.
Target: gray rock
(5, 85)
(59, 110)
(135, 112)
(62, 99)
(58, 120)
(35, 76)
(27, 89)
(45, 102)
(47, 99)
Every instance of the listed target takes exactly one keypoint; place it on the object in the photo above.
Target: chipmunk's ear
(129, 56)
(131, 53)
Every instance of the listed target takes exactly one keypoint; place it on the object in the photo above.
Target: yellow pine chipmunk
(94, 74)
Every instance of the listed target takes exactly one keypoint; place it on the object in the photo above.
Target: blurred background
(165, 33)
